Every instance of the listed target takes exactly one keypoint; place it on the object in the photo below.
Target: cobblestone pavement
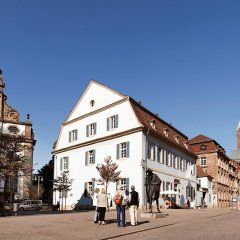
(197, 224)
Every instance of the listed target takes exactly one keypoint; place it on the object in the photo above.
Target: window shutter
(95, 128)
(128, 149)
(70, 136)
(76, 137)
(147, 150)
(158, 153)
(67, 163)
(117, 183)
(61, 162)
(87, 131)
(117, 157)
(93, 187)
(117, 121)
(94, 154)
(107, 124)
(86, 158)
(127, 186)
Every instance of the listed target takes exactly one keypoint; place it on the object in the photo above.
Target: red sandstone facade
(225, 172)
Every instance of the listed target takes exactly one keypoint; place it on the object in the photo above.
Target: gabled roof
(200, 138)
(211, 144)
(85, 91)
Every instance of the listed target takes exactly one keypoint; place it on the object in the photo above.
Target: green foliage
(12, 159)
(47, 174)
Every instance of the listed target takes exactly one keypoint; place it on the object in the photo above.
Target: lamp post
(39, 179)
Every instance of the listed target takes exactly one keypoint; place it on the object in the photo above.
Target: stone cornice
(96, 111)
(98, 140)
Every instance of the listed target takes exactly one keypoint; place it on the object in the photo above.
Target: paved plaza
(178, 224)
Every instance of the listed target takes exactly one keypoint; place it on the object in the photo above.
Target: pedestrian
(120, 201)
(188, 203)
(102, 206)
(133, 201)
(95, 198)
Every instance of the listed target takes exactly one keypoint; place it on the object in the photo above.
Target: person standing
(133, 205)
(95, 199)
(102, 206)
(120, 201)
(188, 203)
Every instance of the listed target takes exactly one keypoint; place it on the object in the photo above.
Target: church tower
(1, 95)
(10, 123)
(238, 136)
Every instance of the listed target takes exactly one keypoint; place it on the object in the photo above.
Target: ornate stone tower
(238, 136)
(10, 124)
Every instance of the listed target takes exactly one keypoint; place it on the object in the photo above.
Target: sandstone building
(10, 123)
(214, 161)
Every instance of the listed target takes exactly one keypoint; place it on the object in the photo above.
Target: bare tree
(62, 184)
(108, 172)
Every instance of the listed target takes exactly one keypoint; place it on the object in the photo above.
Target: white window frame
(64, 163)
(73, 135)
(112, 122)
(203, 161)
(91, 129)
(151, 151)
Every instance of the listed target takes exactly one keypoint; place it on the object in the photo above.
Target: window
(124, 182)
(203, 161)
(92, 103)
(112, 122)
(182, 164)
(203, 147)
(164, 156)
(88, 189)
(73, 135)
(90, 157)
(123, 150)
(159, 154)
(166, 132)
(151, 151)
(153, 124)
(64, 163)
(91, 129)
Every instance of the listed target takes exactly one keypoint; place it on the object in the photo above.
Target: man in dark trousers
(133, 205)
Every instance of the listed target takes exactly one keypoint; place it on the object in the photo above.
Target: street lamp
(39, 179)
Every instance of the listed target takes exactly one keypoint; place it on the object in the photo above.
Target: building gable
(95, 96)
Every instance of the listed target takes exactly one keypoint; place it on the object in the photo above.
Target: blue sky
(180, 58)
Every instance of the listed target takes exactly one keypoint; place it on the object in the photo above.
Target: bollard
(15, 208)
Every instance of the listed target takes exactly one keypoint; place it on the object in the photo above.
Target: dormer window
(176, 138)
(186, 144)
(203, 147)
(92, 103)
(166, 132)
(153, 124)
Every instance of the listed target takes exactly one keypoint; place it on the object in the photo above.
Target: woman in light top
(102, 206)
(95, 199)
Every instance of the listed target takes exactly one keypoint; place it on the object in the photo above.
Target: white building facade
(105, 123)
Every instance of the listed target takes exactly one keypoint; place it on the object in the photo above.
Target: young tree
(62, 184)
(108, 172)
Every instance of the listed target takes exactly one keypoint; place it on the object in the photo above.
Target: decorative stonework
(10, 113)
